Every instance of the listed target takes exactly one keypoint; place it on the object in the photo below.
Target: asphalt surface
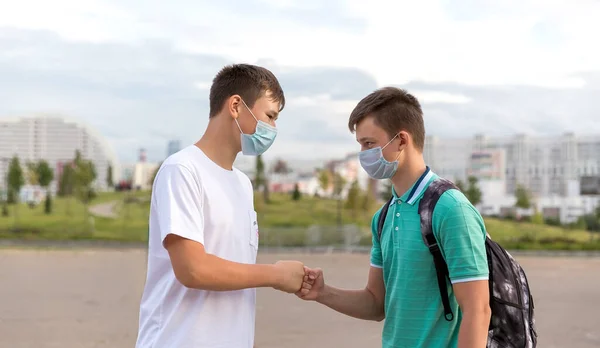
(89, 298)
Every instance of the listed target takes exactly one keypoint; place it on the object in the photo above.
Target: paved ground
(87, 298)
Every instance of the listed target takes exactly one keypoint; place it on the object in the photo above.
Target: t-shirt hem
(470, 279)
(184, 235)
(376, 265)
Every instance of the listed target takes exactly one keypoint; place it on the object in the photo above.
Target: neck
(218, 144)
(410, 172)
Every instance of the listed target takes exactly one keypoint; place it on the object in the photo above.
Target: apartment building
(550, 167)
(54, 139)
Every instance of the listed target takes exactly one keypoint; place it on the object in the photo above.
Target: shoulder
(452, 203)
(177, 169)
(185, 163)
(174, 176)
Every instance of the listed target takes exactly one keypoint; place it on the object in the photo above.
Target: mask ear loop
(251, 113)
(384, 146)
(389, 142)
(237, 123)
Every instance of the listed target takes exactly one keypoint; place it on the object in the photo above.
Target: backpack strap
(432, 194)
(382, 216)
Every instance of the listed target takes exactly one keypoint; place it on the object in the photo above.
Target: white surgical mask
(258, 142)
(375, 165)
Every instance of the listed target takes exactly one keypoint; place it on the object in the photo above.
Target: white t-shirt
(195, 198)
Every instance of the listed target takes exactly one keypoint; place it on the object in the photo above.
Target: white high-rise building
(550, 167)
(546, 165)
(54, 139)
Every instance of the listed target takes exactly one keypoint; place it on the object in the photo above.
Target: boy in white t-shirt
(203, 238)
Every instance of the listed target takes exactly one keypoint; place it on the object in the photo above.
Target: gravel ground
(85, 298)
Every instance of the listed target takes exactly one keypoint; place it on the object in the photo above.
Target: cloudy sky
(139, 71)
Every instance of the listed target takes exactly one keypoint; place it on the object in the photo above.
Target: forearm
(474, 328)
(360, 304)
(217, 274)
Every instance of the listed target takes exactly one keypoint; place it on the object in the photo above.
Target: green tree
(339, 183)
(353, 197)
(16, 180)
(281, 167)
(523, 198)
(259, 175)
(260, 180)
(386, 192)
(461, 185)
(324, 179)
(473, 192)
(109, 176)
(32, 174)
(296, 195)
(537, 218)
(45, 176)
(66, 180)
(84, 176)
(368, 198)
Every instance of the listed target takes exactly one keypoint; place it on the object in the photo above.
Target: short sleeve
(460, 231)
(376, 257)
(177, 197)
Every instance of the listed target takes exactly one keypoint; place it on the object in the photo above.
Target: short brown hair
(249, 81)
(393, 109)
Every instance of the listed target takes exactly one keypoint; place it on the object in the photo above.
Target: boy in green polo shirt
(402, 285)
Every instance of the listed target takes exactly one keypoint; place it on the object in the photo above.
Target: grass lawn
(282, 221)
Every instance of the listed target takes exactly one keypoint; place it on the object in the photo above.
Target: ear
(405, 139)
(233, 105)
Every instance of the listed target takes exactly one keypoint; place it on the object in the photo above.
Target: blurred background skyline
(139, 72)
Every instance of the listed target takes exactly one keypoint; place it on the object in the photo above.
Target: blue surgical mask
(257, 143)
(375, 165)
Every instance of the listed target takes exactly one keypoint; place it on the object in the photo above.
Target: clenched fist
(289, 276)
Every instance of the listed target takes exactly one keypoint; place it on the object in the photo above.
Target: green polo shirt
(413, 306)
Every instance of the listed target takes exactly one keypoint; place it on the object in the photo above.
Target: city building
(54, 139)
(173, 146)
(143, 172)
(549, 167)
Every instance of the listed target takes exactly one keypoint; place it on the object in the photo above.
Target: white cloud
(396, 41)
(440, 97)
(204, 86)
(116, 64)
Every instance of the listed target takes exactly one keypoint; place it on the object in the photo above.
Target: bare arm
(194, 268)
(364, 304)
(473, 299)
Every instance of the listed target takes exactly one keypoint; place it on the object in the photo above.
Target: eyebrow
(363, 139)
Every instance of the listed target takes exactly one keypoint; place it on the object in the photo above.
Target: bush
(296, 193)
(48, 204)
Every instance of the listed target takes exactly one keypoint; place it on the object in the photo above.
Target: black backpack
(512, 324)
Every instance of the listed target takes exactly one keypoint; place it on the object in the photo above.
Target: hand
(290, 275)
(313, 284)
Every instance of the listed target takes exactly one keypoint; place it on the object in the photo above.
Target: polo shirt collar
(416, 189)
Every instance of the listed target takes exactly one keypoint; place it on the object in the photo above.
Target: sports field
(89, 298)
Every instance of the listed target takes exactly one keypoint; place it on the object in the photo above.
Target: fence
(346, 237)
